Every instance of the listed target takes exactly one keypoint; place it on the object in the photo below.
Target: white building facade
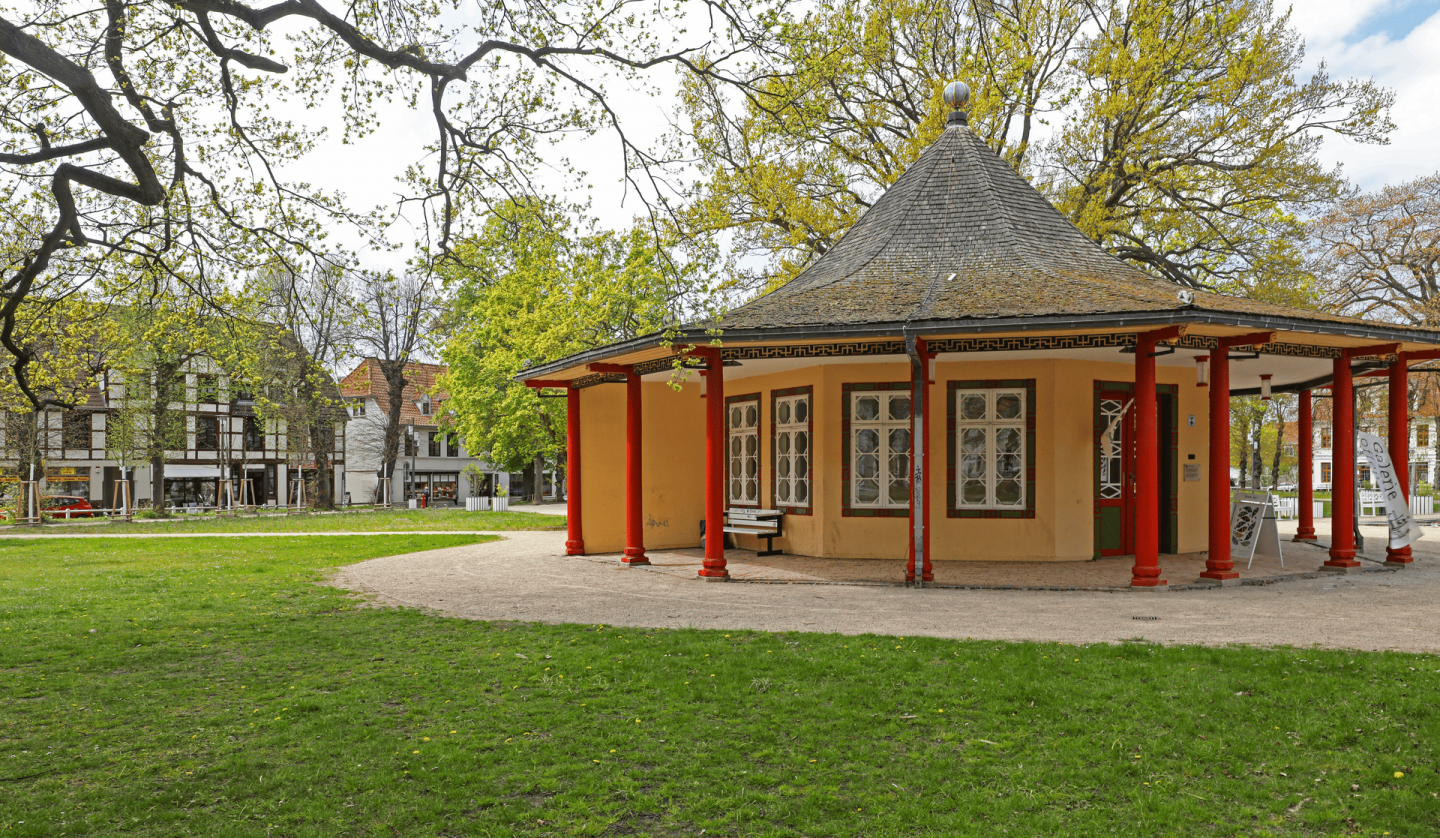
(433, 467)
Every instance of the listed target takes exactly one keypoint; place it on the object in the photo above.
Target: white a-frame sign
(1252, 528)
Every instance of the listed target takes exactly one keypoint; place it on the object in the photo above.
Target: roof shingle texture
(961, 210)
(367, 380)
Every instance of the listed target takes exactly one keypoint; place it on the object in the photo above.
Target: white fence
(1371, 503)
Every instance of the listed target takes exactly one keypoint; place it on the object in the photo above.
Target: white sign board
(1403, 531)
(1252, 527)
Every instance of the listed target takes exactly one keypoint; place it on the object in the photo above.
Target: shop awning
(192, 471)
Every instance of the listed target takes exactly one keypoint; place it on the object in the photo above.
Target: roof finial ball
(957, 96)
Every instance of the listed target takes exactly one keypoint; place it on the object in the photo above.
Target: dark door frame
(1167, 415)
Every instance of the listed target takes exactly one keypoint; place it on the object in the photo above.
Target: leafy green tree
(308, 330)
(1183, 138)
(160, 339)
(540, 289)
(155, 129)
(1377, 254)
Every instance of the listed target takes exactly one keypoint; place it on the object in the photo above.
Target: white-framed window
(990, 439)
(792, 450)
(1422, 436)
(743, 418)
(880, 449)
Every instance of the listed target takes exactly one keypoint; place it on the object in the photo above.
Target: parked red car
(67, 506)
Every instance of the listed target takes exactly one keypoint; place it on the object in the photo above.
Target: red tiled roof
(367, 380)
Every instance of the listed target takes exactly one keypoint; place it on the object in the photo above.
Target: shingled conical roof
(961, 235)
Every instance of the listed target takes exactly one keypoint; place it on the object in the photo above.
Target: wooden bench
(763, 523)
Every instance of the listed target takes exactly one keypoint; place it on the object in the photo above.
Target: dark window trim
(775, 397)
(952, 509)
(759, 455)
(215, 442)
(845, 390)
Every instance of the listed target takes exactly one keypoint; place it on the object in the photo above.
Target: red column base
(1147, 582)
(1219, 575)
(714, 570)
(1219, 569)
(1305, 534)
(1341, 560)
(1398, 557)
(574, 548)
(635, 556)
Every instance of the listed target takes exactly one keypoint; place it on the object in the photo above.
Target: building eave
(1124, 322)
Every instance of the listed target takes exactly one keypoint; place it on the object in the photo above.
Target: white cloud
(1409, 65)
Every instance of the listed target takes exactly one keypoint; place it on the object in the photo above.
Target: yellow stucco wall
(673, 465)
(1063, 526)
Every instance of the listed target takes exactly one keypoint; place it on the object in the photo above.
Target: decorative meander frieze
(1014, 343)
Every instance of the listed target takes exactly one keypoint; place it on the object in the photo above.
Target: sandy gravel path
(317, 534)
(526, 576)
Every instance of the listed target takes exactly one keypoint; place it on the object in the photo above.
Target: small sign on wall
(1192, 472)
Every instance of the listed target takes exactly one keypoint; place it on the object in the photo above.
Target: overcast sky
(1396, 42)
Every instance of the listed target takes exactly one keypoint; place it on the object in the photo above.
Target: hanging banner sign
(1403, 530)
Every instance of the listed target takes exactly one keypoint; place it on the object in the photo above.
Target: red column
(1146, 572)
(1399, 392)
(1342, 470)
(575, 540)
(1218, 565)
(713, 566)
(1306, 530)
(634, 512)
(916, 466)
(927, 570)
(920, 500)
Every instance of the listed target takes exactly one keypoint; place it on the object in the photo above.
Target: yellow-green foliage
(533, 289)
(1180, 135)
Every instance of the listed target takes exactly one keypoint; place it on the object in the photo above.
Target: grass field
(157, 688)
(394, 520)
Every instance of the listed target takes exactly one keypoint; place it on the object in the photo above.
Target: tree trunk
(394, 372)
(1279, 451)
(537, 488)
(322, 439)
(24, 429)
(161, 421)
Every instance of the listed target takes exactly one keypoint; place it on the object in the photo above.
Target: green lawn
(159, 688)
(394, 520)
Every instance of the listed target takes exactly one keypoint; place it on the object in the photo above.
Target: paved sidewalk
(526, 576)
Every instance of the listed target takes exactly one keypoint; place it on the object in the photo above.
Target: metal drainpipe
(918, 410)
